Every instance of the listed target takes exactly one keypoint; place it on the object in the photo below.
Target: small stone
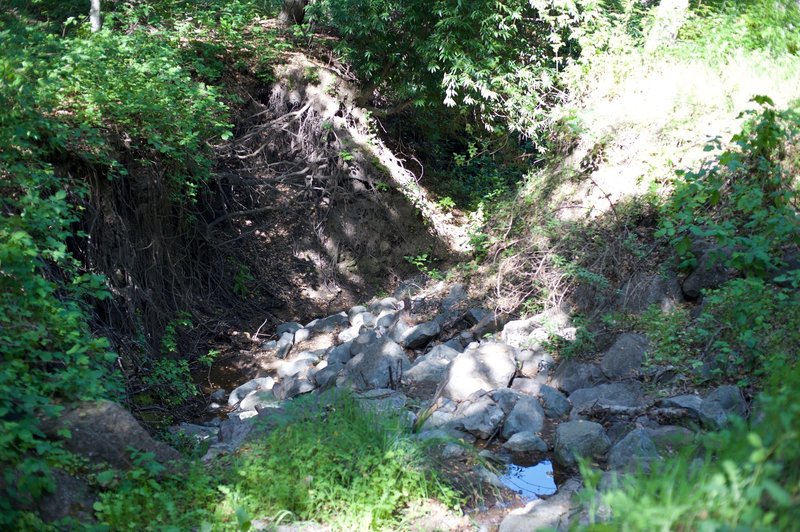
(526, 416)
(634, 450)
(290, 327)
(524, 442)
(262, 383)
(416, 336)
(555, 404)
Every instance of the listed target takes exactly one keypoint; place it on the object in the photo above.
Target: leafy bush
(745, 198)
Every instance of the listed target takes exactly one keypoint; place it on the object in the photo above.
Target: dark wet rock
(103, 431)
(644, 290)
(486, 367)
(290, 327)
(480, 418)
(326, 377)
(524, 442)
(293, 386)
(261, 383)
(412, 337)
(71, 498)
(340, 354)
(506, 399)
(526, 416)
(432, 366)
(720, 405)
(381, 365)
(669, 439)
(456, 296)
(555, 404)
(709, 273)
(613, 394)
(690, 403)
(635, 450)
(571, 375)
(363, 342)
(580, 438)
(625, 357)
(331, 323)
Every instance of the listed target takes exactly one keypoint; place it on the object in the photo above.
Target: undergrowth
(329, 461)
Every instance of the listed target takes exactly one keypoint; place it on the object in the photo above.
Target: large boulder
(412, 337)
(480, 418)
(487, 367)
(432, 366)
(635, 450)
(580, 439)
(71, 498)
(572, 375)
(238, 394)
(526, 416)
(624, 359)
(709, 273)
(643, 290)
(381, 365)
(331, 323)
(103, 431)
(718, 407)
(555, 404)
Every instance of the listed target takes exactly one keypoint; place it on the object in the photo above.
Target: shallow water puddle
(530, 482)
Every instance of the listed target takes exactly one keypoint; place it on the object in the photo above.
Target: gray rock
(284, 344)
(709, 273)
(261, 383)
(527, 386)
(535, 361)
(476, 315)
(412, 337)
(555, 404)
(480, 418)
(455, 344)
(624, 358)
(613, 394)
(579, 439)
(456, 295)
(326, 377)
(366, 319)
(453, 450)
(432, 366)
(257, 399)
(198, 432)
(340, 354)
(386, 320)
(552, 513)
(690, 403)
(363, 342)
(331, 323)
(439, 420)
(290, 327)
(298, 364)
(71, 498)
(718, 407)
(486, 367)
(291, 387)
(385, 304)
(526, 416)
(381, 365)
(524, 442)
(103, 431)
(669, 439)
(301, 335)
(633, 451)
(355, 311)
(506, 399)
(218, 395)
(349, 334)
(644, 290)
(269, 346)
(516, 332)
(572, 375)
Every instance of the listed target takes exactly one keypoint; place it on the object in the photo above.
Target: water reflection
(530, 482)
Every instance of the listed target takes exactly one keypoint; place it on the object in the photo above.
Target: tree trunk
(293, 12)
(94, 15)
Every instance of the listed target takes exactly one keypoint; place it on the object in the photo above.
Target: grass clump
(330, 461)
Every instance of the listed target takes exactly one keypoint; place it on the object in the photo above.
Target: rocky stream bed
(458, 373)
